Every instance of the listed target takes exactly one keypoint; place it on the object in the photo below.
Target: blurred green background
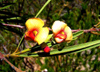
(78, 14)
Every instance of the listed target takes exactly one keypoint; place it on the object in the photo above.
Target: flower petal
(27, 36)
(34, 23)
(58, 26)
(69, 34)
(58, 40)
(42, 35)
(30, 34)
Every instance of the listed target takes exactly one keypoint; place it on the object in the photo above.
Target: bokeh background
(78, 14)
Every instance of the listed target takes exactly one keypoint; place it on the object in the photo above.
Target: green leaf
(14, 18)
(67, 50)
(5, 7)
(76, 47)
(77, 34)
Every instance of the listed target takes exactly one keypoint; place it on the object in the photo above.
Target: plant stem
(42, 8)
(19, 43)
(26, 50)
(88, 30)
(35, 17)
(2, 57)
(67, 50)
(11, 25)
(15, 68)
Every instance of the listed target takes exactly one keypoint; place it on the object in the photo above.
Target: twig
(15, 68)
(88, 30)
(11, 25)
(85, 31)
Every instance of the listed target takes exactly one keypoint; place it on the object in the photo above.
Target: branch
(88, 30)
(11, 25)
(15, 68)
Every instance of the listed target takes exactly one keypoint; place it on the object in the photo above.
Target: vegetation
(81, 54)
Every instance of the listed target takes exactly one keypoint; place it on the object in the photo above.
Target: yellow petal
(34, 23)
(58, 26)
(42, 35)
(69, 34)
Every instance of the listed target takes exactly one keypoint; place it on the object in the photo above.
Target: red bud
(46, 49)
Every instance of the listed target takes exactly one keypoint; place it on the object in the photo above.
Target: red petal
(32, 35)
(27, 38)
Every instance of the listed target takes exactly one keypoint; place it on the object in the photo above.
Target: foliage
(78, 14)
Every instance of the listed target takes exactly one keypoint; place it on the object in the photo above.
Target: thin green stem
(42, 8)
(26, 50)
(67, 50)
(19, 43)
(35, 17)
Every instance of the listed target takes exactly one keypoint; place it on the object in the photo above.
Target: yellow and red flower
(36, 31)
(61, 32)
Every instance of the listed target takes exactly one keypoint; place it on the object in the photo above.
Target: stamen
(61, 35)
(33, 33)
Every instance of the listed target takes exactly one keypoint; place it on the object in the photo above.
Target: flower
(36, 31)
(61, 32)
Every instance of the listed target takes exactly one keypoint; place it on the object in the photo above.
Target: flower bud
(46, 49)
